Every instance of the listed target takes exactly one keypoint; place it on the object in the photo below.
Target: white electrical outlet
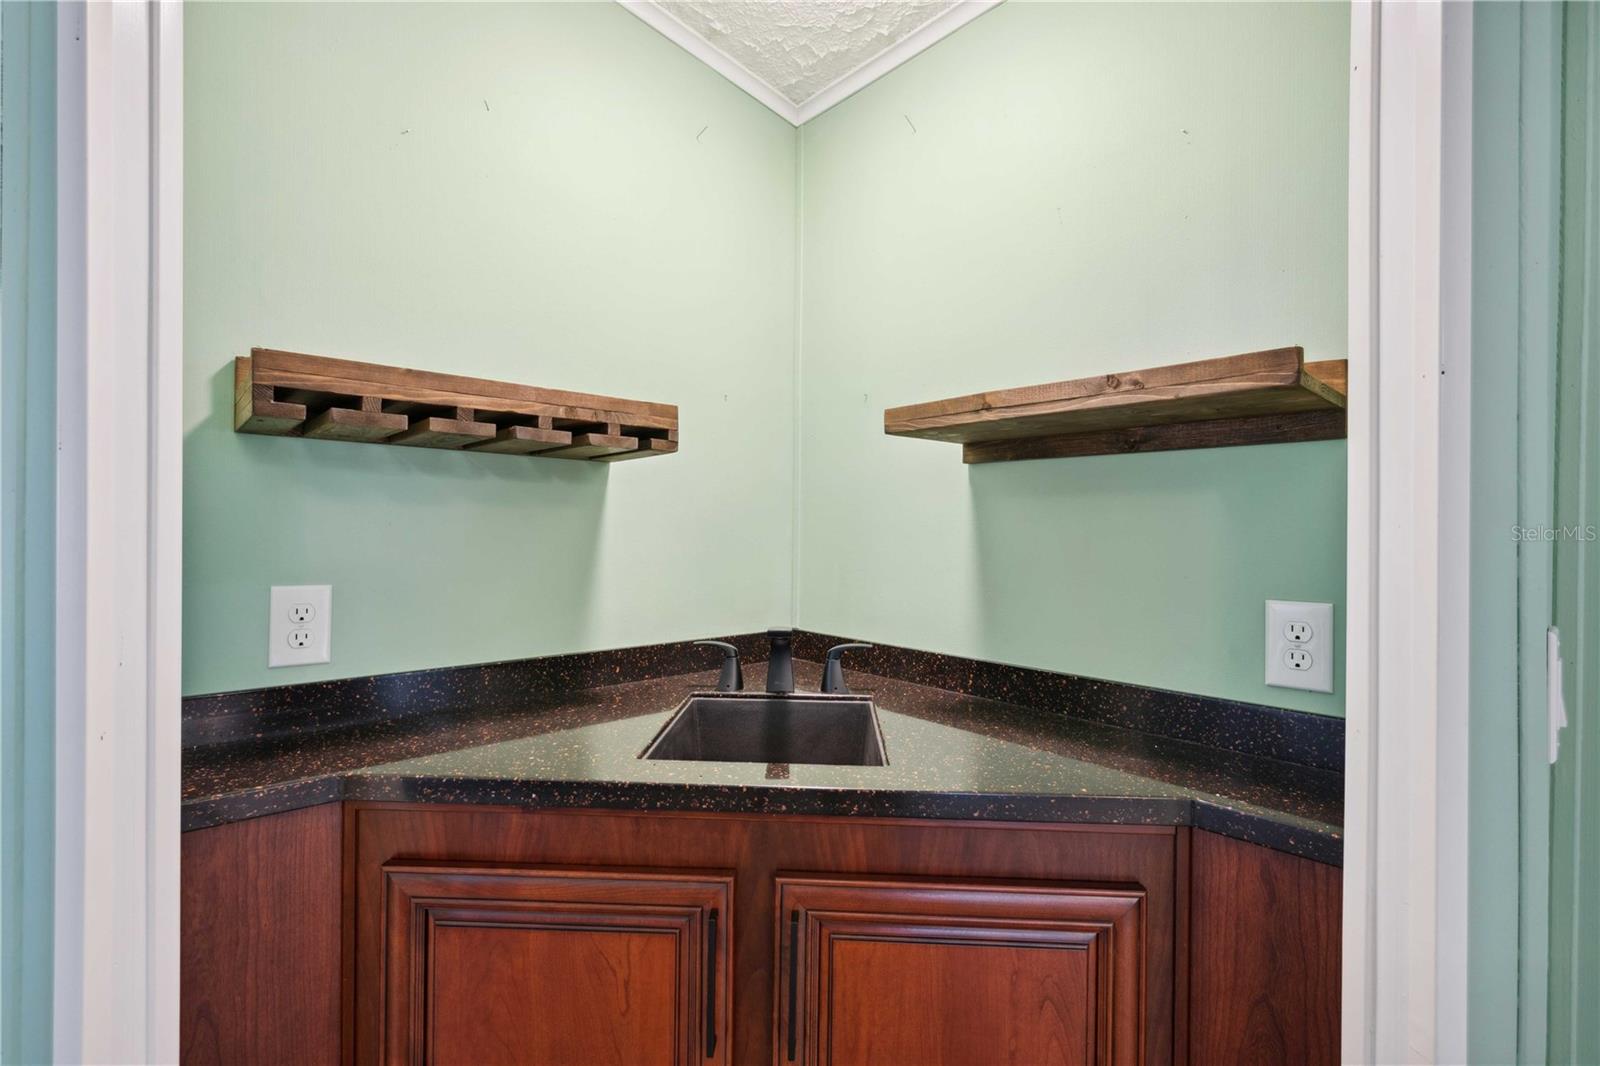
(299, 625)
(1300, 645)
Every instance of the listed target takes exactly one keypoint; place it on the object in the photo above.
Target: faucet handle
(833, 669)
(732, 679)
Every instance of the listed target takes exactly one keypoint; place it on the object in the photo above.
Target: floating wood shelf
(1270, 397)
(285, 394)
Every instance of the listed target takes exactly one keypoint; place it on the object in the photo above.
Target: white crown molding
(931, 33)
(663, 23)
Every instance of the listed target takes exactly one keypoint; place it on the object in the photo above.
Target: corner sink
(770, 727)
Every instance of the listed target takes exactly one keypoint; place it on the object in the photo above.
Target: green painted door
(1574, 990)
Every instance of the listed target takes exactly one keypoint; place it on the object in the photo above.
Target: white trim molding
(1409, 480)
(925, 37)
(1453, 537)
(1361, 535)
(164, 679)
(118, 582)
(658, 19)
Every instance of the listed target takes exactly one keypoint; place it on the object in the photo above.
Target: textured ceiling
(800, 47)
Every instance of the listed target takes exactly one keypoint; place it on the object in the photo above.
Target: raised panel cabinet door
(959, 973)
(494, 966)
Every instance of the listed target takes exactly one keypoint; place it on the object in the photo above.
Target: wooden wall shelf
(285, 394)
(1270, 397)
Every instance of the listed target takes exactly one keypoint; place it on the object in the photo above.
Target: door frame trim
(118, 628)
(1405, 875)
(118, 530)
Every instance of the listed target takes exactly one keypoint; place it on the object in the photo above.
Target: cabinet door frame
(693, 906)
(759, 848)
(1106, 920)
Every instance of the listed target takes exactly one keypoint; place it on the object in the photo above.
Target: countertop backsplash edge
(1297, 737)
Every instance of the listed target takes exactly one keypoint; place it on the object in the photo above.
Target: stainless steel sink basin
(768, 727)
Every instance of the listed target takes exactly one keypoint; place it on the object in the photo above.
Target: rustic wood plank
(1242, 399)
(431, 432)
(350, 378)
(594, 445)
(1217, 433)
(988, 414)
(344, 423)
(647, 447)
(1236, 386)
(254, 408)
(1333, 373)
(524, 440)
(369, 403)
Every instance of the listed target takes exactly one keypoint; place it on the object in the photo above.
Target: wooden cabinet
(494, 935)
(259, 950)
(951, 973)
(490, 965)
(1264, 956)
(1028, 943)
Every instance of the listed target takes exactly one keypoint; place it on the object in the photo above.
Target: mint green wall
(1575, 778)
(27, 527)
(525, 192)
(1052, 192)
(545, 193)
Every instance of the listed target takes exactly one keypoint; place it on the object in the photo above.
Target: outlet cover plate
(299, 625)
(1296, 631)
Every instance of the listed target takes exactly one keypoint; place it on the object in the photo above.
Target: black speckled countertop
(951, 755)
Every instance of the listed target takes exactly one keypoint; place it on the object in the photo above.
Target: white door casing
(118, 531)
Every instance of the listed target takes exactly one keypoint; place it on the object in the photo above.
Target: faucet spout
(780, 664)
(732, 677)
(833, 668)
